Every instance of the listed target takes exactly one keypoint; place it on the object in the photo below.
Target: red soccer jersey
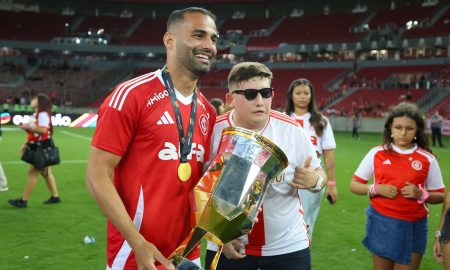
(414, 165)
(40, 120)
(137, 122)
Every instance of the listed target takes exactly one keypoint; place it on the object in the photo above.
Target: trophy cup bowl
(232, 190)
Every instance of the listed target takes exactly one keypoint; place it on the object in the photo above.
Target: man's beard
(191, 63)
(199, 69)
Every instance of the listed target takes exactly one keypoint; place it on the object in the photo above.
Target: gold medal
(184, 171)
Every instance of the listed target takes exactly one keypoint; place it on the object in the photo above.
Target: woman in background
(406, 176)
(301, 106)
(218, 105)
(39, 128)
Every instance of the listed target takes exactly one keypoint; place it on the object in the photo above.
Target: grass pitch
(51, 236)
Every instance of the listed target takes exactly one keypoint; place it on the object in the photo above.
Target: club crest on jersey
(204, 123)
(157, 97)
(416, 165)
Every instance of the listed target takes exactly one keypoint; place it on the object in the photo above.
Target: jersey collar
(405, 152)
(301, 117)
(184, 100)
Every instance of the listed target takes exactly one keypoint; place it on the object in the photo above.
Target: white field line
(10, 129)
(19, 162)
(76, 135)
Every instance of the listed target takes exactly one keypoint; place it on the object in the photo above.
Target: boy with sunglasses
(279, 240)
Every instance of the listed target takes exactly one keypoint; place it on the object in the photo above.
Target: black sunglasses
(251, 94)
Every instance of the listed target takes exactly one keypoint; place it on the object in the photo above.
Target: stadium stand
(110, 24)
(288, 44)
(440, 28)
(32, 26)
(398, 18)
(311, 29)
(375, 102)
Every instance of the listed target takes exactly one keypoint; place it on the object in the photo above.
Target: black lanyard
(185, 141)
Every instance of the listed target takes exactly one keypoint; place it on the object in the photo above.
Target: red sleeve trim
(359, 179)
(442, 190)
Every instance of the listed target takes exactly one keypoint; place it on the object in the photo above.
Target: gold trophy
(231, 191)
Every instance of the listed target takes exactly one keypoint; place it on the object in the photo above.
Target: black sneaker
(19, 203)
(52, 200)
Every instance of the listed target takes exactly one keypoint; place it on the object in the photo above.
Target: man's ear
(229, 99)
(168, 40)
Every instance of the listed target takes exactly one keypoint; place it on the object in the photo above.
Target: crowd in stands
(239, 28)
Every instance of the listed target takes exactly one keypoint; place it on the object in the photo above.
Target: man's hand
(304, 177)
(232, 249)
(146, 254)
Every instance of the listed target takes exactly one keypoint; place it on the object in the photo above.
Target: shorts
(395, 239)
(445, 231)
(299, 260)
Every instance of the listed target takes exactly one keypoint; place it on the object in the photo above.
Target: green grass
(52, 236)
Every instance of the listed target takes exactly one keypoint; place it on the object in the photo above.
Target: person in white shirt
(279, 240)
(301, 106)
(3, 180)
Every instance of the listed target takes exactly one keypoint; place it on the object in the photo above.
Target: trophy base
(179, 255)
(185, 264)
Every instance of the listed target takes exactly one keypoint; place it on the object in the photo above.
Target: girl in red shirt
(406, 176)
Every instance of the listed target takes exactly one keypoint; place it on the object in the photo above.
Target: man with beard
(148, 150)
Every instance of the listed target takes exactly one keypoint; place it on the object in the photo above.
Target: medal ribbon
(185, 141)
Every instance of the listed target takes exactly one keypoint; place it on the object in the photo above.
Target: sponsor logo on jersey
(387, 162)
(157, 97)
(165, 119)
(199, 102)
(416, 165)
(171, 152)
(280, 178)
(204, 119)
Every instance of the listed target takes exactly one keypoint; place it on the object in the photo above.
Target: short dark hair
(247, 70)
(177, 16)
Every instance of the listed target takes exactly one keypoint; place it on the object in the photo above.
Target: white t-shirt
(281, 228)
(324, 142)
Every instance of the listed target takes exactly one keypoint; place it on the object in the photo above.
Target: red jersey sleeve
(116, 125)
